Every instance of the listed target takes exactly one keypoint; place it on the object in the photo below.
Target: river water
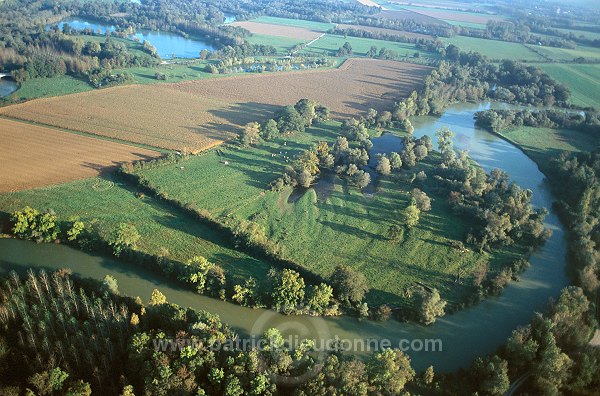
(466, 334)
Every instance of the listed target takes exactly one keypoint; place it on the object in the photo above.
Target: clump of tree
(428, 304)
(498, 120)
(28, 223)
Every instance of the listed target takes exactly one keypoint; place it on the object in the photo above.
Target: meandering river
(469, 333)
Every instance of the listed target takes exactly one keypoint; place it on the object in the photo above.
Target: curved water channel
(469, 333)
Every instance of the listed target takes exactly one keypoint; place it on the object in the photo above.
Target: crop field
(329, 44)
(332, 223)
(567, 54)
(33, 156)
(201, 114)
(278, 30)
(397, 12)
(494, 49)
(356, 86)
(301, 23)
(106, 203)
(391, 32)
(283, 45)
(583, 80)
(455, 15)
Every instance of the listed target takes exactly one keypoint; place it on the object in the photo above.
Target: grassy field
(329, 44)
(494, 49)
(583, 80)
(565, 54)
(106, 203)
(334, 223)
(543, 144)
(282, 44)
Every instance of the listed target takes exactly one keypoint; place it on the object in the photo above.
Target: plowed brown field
(33, 156)
(200, 114)
(278, 30)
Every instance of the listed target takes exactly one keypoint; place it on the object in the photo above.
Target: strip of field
(370, 3)
(400, 13)
(494, 49)
(302, 23)
(201, 114)
(454, 15)
(583, 81)
(33, 156)
(377, 30)
(278, 30)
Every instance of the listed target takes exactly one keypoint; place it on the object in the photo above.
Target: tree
(288, 292)
(408, 127)
(289, 120)
(110, 284)
(420, 152)
(409, 159)
(269, 131)
(395, 161)
(251, 134)
(125, 236)
(348, 285)
(372, 53)
(306, 109)
(75, 230)
(410, 215)
(428, 375)
(389, 371)
(28, 223)
(491, 375)
(422, 201)
(361, 179)
(428, 304)
(319, 298)
(384, 167)
(157, 298)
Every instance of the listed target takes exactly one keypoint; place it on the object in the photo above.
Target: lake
(7, 86)
(472, 332)
(167, 44)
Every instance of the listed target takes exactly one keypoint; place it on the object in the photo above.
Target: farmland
(454, 15)
(201, 114)
(583, 80)
(300, 23)
(377, 30)
(278, 30)
(495, 49)
(34, 156)
(330, 43)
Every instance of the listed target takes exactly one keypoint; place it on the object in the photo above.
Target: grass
(582, 79)
(47, 87)
(312, 25)
(544, 144)
(566, 54)
(106, 203)
(494, 49)
(334, 223)
(329, 44)
(282, 44)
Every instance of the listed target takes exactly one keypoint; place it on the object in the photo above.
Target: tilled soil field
(34, 156)
(278, 30)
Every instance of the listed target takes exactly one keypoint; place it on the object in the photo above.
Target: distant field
(542, 144)
(391, 32)
(310, 25)
(401, 13)
(565, 54)
(494, 49)
(329, 44)
(583, 80)
(204, 113)
(455, 15)
(33, 156)
(46, 87)
(278, 30)
(466, 24)
(283, 45)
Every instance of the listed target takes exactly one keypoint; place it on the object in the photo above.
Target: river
(167, 44)
(466, 334)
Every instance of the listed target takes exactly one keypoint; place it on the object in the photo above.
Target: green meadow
(583, 81)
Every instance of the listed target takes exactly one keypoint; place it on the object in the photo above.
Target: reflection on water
(167, 44)
(466, 334)
(7, 87)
